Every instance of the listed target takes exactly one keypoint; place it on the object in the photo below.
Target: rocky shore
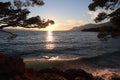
(13, 68)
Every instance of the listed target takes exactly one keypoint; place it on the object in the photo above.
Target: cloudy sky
(65, 13)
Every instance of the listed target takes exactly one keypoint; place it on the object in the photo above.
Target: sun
(50, 27)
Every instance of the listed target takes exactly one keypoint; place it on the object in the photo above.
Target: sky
(66, 13)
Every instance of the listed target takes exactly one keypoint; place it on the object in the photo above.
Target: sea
(72, 49)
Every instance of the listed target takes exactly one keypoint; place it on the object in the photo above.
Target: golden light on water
(50, 40)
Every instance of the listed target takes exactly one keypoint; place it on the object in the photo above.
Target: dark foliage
(114, 16)
(15, 13)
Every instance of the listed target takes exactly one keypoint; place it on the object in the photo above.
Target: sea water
(63, 46)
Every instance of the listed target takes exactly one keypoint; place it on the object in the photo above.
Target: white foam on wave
(51, 58)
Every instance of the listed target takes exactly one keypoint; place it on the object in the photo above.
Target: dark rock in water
(78, 74)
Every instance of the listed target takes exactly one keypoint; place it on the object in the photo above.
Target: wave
(105, 66)
(107, 60)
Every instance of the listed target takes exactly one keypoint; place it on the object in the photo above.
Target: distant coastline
(91, 27)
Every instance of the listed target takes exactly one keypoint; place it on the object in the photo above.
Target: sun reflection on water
(50, 40)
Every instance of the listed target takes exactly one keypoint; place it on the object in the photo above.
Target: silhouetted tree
(110, 9)
(14, 13)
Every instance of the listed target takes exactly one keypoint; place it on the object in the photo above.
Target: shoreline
(14, 68)
(73, 64)
(95, 62)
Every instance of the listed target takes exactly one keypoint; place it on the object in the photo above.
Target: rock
(70, 74)
(78, 74)
(115, 77)
(51, 76)
(16, 64)
(52, 70)
(98, 78)
(2, 59)
(11, 65)
(13, 68)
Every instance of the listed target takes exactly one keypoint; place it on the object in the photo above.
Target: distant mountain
(91, 27)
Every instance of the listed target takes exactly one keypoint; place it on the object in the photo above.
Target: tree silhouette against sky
(15, 13)
(110, 9)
